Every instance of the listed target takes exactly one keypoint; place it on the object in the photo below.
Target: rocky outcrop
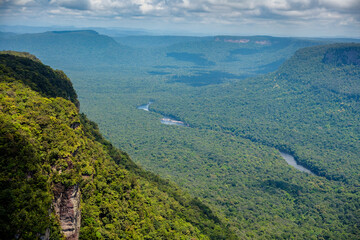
(348, 55)
(67, 206)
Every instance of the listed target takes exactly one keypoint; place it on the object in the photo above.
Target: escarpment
(59, 178)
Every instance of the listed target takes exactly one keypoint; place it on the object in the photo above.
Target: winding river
(170, 121)
(291, 161)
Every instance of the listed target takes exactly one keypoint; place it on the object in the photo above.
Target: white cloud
(226, 12)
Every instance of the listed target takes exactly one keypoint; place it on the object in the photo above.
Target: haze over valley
(123, 132)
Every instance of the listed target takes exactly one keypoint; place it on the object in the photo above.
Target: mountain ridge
(55, 162)
(333, 67)
(247, 183)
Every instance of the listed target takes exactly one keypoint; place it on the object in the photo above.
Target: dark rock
(75, 125)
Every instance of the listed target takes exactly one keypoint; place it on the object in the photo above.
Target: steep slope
(30, 71)
(333, 67)
(59, 177)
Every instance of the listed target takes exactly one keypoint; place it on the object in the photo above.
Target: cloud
(211, 8)
(224, 12)
(71, 4)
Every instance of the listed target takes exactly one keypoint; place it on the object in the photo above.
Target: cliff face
(39, 171)
(332, 67)
(343, 55)
(52, 158)
(67, 207)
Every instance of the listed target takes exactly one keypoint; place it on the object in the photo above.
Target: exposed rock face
(67, 207)
(343, 56)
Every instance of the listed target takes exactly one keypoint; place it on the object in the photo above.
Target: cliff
(59, 178)
(66, 205)
(333, 67)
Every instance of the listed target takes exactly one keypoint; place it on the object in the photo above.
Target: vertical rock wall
(67, 207)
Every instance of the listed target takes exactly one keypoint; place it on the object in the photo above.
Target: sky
(302, 18)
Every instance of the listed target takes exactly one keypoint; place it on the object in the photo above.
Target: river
(291, 161)
(145, 107)
(170, 121)
(164, 120)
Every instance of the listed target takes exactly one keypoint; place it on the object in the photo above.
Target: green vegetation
(45, 141)
(226, 156)
(332, 67)
(291, 106)
(229, 156)
(37, 76)
(22, 54)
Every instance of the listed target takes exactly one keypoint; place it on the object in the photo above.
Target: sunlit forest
(72, 114)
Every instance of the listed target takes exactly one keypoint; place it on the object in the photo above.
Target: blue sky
(316, 18)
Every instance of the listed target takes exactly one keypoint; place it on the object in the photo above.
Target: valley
(245, 99)
(287, 157)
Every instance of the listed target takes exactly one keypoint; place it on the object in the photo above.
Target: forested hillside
(332, 67)
(309, 108)
(60, 178)
(229, 155)
(235, 123)
(312, 96)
